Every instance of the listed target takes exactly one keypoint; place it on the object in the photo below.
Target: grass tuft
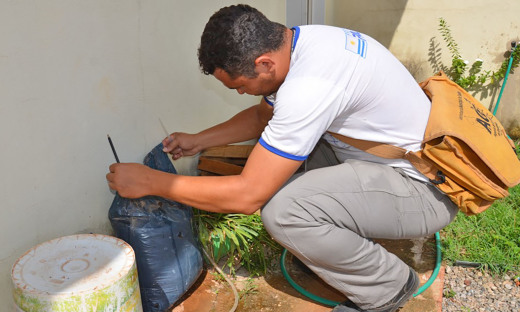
(241, 240)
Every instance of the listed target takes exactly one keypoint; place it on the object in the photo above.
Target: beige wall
(482, 29)
(72, 72)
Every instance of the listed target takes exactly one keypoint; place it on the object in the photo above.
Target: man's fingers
(110, 176)
(111, 185)
(167, 142)
(112, 167)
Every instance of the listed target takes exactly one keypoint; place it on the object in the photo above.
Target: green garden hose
(332, 303)
(505, 78)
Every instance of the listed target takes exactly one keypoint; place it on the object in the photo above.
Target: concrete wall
(482, 29)
(72, 72)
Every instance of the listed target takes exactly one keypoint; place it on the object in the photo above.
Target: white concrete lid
(73, 265)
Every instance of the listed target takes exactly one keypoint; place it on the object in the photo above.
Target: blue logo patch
(355, 43)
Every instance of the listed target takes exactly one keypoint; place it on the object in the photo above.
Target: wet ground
(274, 293)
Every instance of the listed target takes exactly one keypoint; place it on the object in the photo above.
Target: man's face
(263, 84)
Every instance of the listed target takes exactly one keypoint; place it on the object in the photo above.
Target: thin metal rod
(112, 147)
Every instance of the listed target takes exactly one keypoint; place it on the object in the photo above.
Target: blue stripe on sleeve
(279, 152)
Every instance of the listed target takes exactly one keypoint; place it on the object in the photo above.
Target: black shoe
(402, 297)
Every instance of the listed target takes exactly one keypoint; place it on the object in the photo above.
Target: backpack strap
(375, 148)
(383, 150)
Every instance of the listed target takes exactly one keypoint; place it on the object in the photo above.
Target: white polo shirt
(345, 82)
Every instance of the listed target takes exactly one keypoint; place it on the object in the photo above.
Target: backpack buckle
(441, 178)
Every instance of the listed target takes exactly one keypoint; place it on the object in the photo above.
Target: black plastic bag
(160, 231)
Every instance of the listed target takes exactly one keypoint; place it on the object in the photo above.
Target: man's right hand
(180, 144)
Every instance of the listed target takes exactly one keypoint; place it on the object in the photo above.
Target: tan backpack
(466, 152)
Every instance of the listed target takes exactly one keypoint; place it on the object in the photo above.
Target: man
(315, 80)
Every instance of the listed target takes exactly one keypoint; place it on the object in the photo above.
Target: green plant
(218, 277)
(469, 77)
(449, 293)
(239, 239)
(250, 288)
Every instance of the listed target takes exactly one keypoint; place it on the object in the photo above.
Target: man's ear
(264, 64)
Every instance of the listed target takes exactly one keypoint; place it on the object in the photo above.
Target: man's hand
(181, 144)
(263, 175)
(132, 180)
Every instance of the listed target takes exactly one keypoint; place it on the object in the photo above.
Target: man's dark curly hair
(234, 37)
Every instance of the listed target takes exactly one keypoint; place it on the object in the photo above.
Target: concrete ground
(274, 293)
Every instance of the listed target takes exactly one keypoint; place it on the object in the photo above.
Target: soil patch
(273, 293)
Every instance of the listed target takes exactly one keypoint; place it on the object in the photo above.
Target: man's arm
(246, 125)
(263, 175)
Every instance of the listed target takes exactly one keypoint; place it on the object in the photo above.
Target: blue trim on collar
(296, 36)
(268, 102)
(279, 152)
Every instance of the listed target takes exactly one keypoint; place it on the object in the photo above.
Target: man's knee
(276, 213)
(270, 213)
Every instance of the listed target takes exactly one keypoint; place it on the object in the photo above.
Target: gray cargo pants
(326, 218)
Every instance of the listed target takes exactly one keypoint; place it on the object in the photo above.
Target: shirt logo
(355, 43)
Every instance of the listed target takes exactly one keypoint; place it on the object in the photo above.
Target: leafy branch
(472, 77)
